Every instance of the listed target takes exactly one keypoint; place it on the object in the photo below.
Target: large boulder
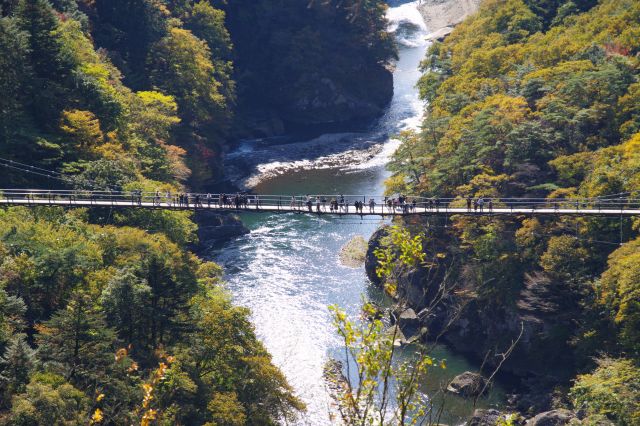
(408, 321)
(215, 228)
(557, 417)
(484, 418)
(467, 384)
(354, 252)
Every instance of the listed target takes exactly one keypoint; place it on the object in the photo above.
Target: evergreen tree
(16, 364)
(130, 27)
(14, 82)
(126, 301)
(76, 342)
(51, 69)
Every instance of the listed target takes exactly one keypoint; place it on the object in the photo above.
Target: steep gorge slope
(535, 99)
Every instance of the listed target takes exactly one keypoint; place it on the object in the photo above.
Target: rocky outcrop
(541, 314)
(484, 418)
(215, 228)
(371, 262)
(467, 384)
(439, 14)
(322, 100)
(557, 417)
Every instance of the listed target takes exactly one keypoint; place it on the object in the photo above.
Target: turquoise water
(288, 272)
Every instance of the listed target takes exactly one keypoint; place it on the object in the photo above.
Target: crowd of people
(312, 203)
(338, 204)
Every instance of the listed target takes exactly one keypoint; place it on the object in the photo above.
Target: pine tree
(76, 342)
(16, 364)
(36, 17)
(14, 71)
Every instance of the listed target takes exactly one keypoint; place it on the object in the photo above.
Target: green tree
(50, 68)
(49, 399)
(130, 27)
(376, 388)
(82, 129)
(619, 291)
(612, 389)
(566, 259)
(16, 365)
(227, 362)
(126, 301)
(180, 64)
(15, 72)
(76, 342)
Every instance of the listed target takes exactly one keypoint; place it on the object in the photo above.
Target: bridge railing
(345, 202)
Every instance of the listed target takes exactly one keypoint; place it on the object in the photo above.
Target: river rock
(440, 35)
(214, 228)
(557, 417)
(354, 252)
(484, 418)
(467, 384)
(408, 321)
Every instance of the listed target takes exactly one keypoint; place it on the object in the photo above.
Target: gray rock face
(467, 384)
(322, 100)
(370, 262)
(484, 418)
(552, 418)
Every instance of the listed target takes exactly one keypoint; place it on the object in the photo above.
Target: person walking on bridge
(469, 201)
(317, 204)
(481, 204)
(372, 205)
(208, 200)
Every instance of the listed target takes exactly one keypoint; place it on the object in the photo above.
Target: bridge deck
(378, 210)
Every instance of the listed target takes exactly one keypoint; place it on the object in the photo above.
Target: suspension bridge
(336, 204)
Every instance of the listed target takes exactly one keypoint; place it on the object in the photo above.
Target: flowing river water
(287, 269)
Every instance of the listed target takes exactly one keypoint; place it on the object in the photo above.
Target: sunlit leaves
(400, 250)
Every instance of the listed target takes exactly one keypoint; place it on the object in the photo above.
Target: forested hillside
(312, 62)
(107, 317)
(538, 99)
(142, 83)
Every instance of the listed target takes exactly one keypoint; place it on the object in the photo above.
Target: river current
(287, 269)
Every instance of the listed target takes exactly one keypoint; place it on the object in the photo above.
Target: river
(287, 269)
